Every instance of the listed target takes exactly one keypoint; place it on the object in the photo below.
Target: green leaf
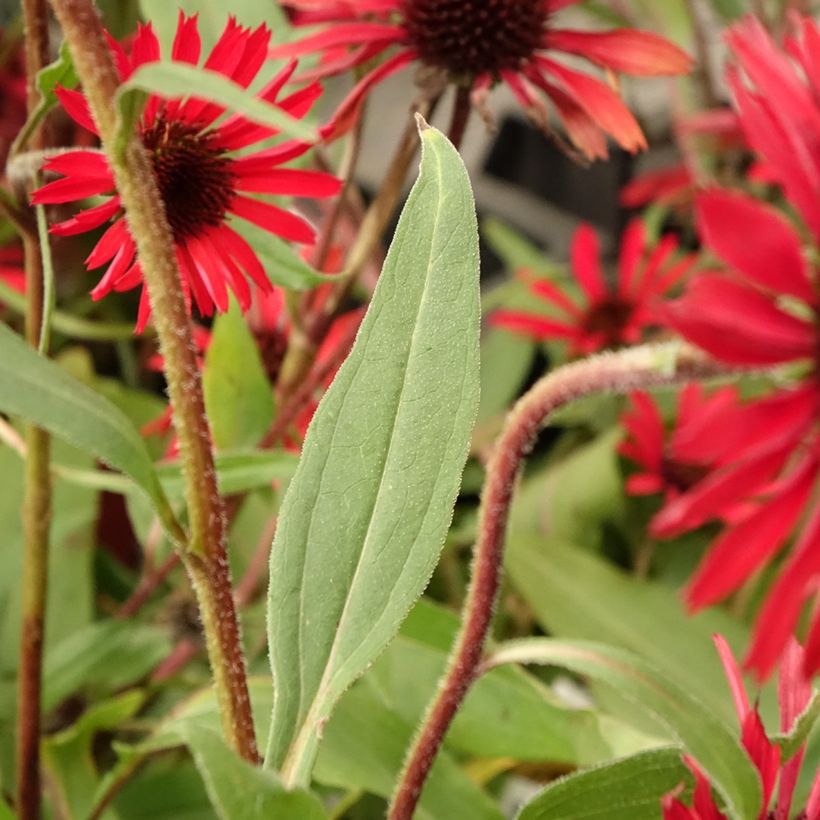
(627, 789)
(506, 359)
(42, 392)
(366, 514)
(240, 791)
(575, 594)
(60, 72)
(791, 743)
(104, 657)
(707, 738)
(69, 755)
(282, 263)
(238, 395)
(176, 79)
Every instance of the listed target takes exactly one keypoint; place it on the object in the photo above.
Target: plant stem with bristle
(636, 368)
(205, 555)
(37, 483)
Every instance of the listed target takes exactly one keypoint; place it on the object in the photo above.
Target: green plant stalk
(637, 368)
(37, 481)
(205, 556)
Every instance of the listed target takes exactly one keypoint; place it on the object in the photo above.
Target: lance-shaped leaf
(706, 737)
(366, 514)
(41, 392)
(627, 789)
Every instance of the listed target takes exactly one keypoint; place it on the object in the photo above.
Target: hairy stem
(37, 488)
(632, 369)
(462, 108)
(205, 556)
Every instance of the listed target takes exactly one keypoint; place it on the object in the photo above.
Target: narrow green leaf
(366, 514)
(238, 395)
(791, 743)
(577, 595)
(42, 392)
(176, 79)
(240, 791)
(709, 740)
(104, 657)
(60, 72)
(626, 789)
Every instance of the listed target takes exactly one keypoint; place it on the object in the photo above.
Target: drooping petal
(534, 327)
(88, 219)
(273, 218)
(585, 256)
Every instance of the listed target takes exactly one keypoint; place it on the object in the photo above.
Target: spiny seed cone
(193, 177)
(474, 37)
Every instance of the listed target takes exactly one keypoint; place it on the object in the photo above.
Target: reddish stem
(631, 369)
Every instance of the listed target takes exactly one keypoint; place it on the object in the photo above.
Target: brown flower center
(193, 177)
(609, 317)
(681, 475)
(472, 37)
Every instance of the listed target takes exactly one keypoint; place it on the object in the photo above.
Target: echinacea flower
(794, 693)
(204, 185)
(764, 310)
(672, 463)
(609, 316)
(478, 43)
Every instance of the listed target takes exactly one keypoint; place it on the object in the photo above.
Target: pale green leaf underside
(711, 742)
(365, 516)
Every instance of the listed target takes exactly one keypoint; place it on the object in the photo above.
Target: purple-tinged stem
(637, 368)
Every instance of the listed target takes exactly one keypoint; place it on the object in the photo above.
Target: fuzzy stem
(37, 488)
(636, 368)
(462, 108)
(205, 556)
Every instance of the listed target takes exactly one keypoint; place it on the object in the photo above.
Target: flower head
(794, 693)
(478, 43)
(763, 310)
(608, 317)
(674, 463)
(203, 183)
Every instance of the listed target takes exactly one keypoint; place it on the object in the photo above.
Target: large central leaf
(366, 514)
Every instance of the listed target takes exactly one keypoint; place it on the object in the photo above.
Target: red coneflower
(204, 185)
(673, 463)
(763, 311)
(794, 693)
(611, 316)
(478, 43)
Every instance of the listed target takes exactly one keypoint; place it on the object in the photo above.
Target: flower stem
(37, 486)
(205, 556)
(462, 108)
(632, 369)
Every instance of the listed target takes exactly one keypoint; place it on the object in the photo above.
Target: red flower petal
(534, 327)
(274, 219)
(756, 240)
(585, 255)
(289, 182)
(626, 50)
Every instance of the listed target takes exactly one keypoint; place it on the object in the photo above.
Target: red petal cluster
(588, 108)
(204, 183)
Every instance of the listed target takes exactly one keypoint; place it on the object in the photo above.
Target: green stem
(205, 557)
(49, 296)
(37, 487)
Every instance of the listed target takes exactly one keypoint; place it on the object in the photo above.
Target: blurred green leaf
(102, 658)
(366, 514)
(626, 789)
(239, 790)
(60, 72)
(44, 393)
(506, 360)
(507, 713)
(575, 594)
(706, 737)
(238, 395)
